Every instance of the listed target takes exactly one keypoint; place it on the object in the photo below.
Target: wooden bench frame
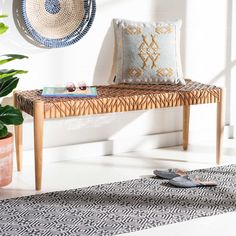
(38, 113)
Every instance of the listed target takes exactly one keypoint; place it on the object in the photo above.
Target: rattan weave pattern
(121, 98)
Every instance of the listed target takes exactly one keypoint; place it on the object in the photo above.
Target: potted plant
(9, 115)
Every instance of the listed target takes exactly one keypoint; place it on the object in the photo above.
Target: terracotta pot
(6, 156)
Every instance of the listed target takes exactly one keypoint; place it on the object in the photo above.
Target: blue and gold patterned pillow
(147, 52)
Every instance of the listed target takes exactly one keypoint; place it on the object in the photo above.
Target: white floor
(87, 171)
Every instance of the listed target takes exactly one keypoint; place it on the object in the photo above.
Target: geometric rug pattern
(120, 207)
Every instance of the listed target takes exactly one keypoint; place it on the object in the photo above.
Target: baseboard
(208, 136)
(110, 147)
(230, 131)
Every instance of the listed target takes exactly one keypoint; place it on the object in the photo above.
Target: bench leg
(38, 142)
(186, 115)
(18, 140)
(19, 147)
(219, 131)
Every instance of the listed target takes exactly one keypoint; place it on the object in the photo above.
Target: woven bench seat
(122, 98)
(115, 98)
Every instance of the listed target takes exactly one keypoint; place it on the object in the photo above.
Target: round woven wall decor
(58, 23)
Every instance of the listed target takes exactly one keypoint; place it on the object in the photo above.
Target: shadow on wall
(179, 9)
(229, 65)
(172, 10)
(160, 10)
(106, 52)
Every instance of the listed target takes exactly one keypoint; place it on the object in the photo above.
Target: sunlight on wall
(233, 66)
(206, 40)
(204, 53)
(210, 50)
(90, 60)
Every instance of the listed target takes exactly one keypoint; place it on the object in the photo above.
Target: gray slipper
(169, 173)
(188, 182)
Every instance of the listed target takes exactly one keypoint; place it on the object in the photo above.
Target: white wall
(211, 54)
(205, 57)
(231, 65)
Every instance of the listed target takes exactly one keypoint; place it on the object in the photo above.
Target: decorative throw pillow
(147, 52)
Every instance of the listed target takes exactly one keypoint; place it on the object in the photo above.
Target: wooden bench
(114, 98)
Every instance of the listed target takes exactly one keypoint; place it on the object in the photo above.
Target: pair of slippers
(179, 178)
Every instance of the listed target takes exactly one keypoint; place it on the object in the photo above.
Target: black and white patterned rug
(111, 209)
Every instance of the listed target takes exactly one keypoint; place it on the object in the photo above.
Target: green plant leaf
(3, 130)
(7, 85)
(8, 73)
(10, 115)
(3, 16)
(11, 57)
(3, 28)
(17, 56)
